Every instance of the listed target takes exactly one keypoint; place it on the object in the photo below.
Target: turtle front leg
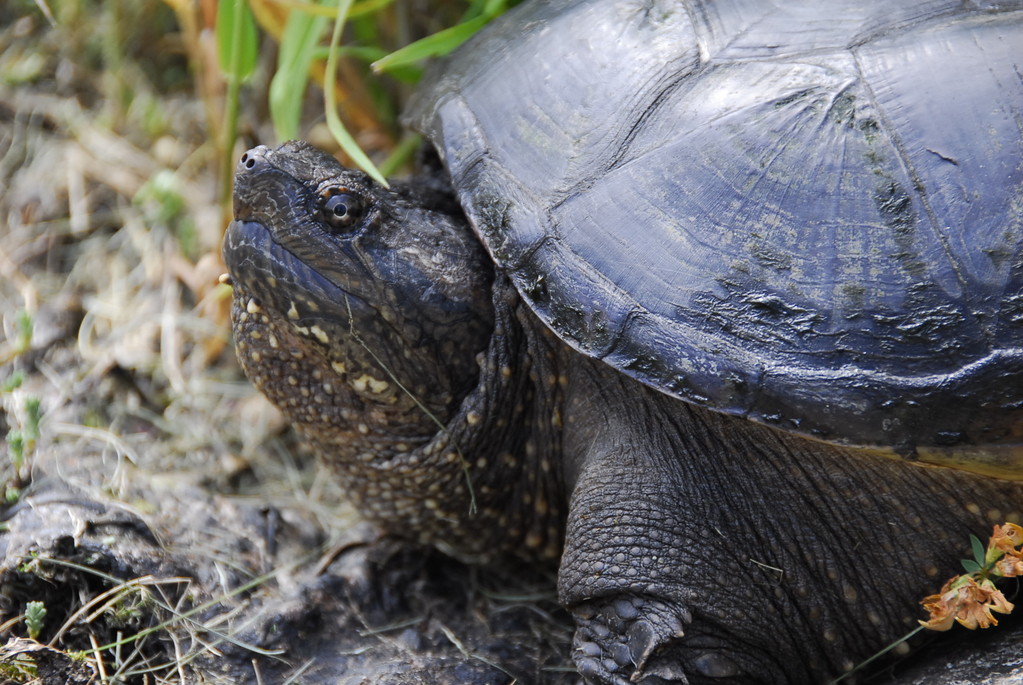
(652, 569)
(615, 639)
(621, 579)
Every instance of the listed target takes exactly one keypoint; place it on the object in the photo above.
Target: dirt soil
(154, 504)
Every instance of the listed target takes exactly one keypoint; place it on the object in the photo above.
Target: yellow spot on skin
(850, 594)
(320, 335)
(931, 571)
(256, 357)
(451, 457)
(302, 330)
(252, 307)
(363, 428)
(830, 635)
(292, 312)
(338, 367)
(292, 380)
(994, 515)
(506, 371)
(272, 341)
(533, 540)
(472, 418)
(973, 508)
(256, 335)
(902, 649)
(481, 463)
(374, 385)
(430, 504)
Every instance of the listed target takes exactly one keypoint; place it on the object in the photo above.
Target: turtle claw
(615, 640)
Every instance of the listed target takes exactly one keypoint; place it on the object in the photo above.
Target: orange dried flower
(1009, 566)
(940, 609)
(1007, 538)
(970, 598)
(966, 601)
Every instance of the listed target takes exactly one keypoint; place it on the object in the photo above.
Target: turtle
(715, 307)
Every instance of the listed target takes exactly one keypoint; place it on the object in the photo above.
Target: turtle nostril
(248, 161)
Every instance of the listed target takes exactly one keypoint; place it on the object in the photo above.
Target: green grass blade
(337, 128)
(358, 9)
(237, 53)
(435, 45)
(237, 40)
(297, 50)
(401, 154)
(441, 43)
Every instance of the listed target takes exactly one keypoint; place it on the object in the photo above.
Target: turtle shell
(809, 214)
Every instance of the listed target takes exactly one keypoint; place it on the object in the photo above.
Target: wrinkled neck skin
(390, 345)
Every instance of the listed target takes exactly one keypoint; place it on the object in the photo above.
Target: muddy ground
(154, 504)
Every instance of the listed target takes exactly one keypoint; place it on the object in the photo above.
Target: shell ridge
(918, 189)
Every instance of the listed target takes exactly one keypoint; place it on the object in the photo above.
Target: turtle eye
(340, 208)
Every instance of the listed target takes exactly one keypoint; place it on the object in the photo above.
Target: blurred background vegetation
(123, 117)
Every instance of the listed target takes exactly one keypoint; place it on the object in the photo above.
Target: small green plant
(13, 382)
(18, 343)
(35, 618)
(32, 416)
(23, 321)
(16, 448)
(21, 442)
(163, 204)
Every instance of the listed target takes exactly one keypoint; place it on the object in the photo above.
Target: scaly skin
(699, 547)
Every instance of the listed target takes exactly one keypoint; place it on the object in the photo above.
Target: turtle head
(357, 308)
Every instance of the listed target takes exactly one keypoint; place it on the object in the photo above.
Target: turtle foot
(616, 641)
